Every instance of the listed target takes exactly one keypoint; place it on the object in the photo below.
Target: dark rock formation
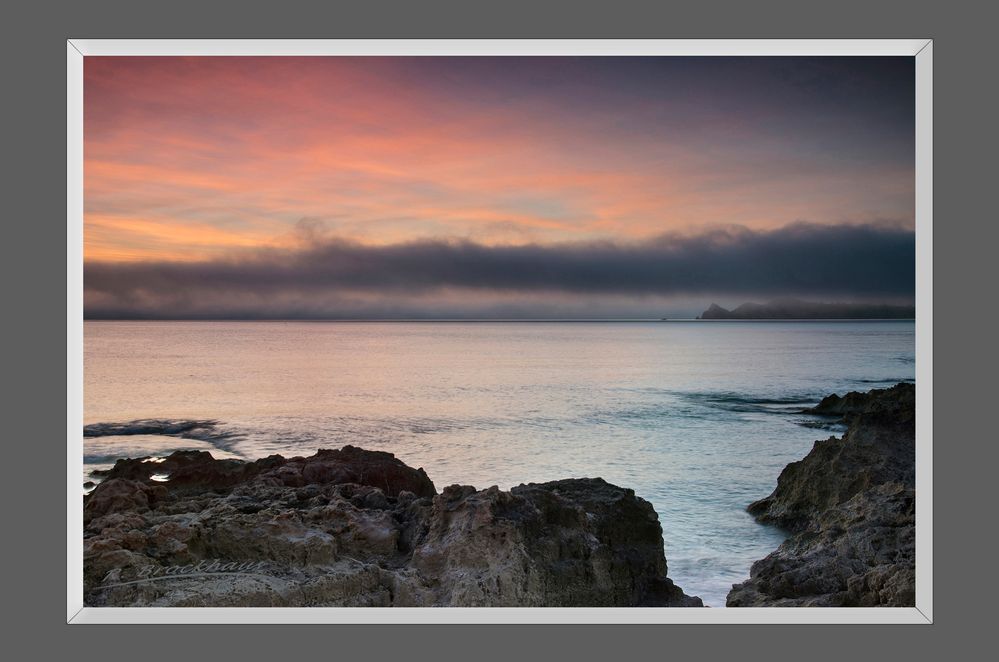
(853, 402)
(895, 402)
(199, 471)
(355, 528)
(850, 505)
(804, 310)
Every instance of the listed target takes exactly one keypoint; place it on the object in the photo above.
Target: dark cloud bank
(338, 279)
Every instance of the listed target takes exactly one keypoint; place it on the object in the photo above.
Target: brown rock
(356, 528)
(850, 504)
(120, 495)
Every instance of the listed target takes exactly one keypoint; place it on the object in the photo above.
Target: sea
(698, 417)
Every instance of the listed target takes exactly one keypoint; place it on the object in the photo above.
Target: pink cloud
(186, 157)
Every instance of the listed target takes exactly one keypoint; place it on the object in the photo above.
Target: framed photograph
(499, 331)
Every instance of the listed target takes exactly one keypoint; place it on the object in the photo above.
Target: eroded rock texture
(850, 504)
(352, 527)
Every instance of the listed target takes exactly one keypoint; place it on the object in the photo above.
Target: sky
(426, 187)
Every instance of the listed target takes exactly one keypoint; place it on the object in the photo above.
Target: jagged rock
(354, 528)
(580, 542)
(120, 495)
(878, 447)
(198, 470)
(898, 398)
(860, 553)
(850, 504)
(834, 405)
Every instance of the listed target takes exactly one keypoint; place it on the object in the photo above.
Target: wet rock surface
(850, 505)
(352, 527)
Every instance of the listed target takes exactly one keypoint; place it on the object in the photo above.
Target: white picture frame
(920, 49)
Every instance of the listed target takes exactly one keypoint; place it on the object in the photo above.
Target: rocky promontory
(850, 507)
(796, 309)
(352, 527)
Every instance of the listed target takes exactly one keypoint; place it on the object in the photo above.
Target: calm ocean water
(698, 418)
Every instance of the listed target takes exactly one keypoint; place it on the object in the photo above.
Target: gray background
(33, 213)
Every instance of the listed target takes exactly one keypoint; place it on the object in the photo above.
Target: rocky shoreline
(850, 507)
(352, 527)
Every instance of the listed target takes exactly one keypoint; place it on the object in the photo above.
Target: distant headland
(807, 310)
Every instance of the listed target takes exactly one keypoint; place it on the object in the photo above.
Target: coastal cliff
(352, 527)
(850, 506)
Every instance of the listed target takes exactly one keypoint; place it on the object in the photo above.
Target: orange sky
(192, 159)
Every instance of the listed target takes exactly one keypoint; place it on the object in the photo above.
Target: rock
(351, 527)
(120, 495)
(834, 405)
(858, 554)
(850, 505)
(199, 471)
(580, 542)
(899, 397)
(878, 447)
(354, 465)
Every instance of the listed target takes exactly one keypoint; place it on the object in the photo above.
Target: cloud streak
(331, 278)
(188, 158)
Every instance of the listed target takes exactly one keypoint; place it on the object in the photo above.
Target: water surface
(698, 418)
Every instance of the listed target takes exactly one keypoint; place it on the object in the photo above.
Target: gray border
(34, 154)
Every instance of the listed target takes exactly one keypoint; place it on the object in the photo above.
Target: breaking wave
(207, 430)
(737, 402)
(816, 424)
(888, 380)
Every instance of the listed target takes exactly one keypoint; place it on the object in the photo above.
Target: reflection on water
(698, 418)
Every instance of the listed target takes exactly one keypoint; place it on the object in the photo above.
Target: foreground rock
(360, 528)
(850, 504)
